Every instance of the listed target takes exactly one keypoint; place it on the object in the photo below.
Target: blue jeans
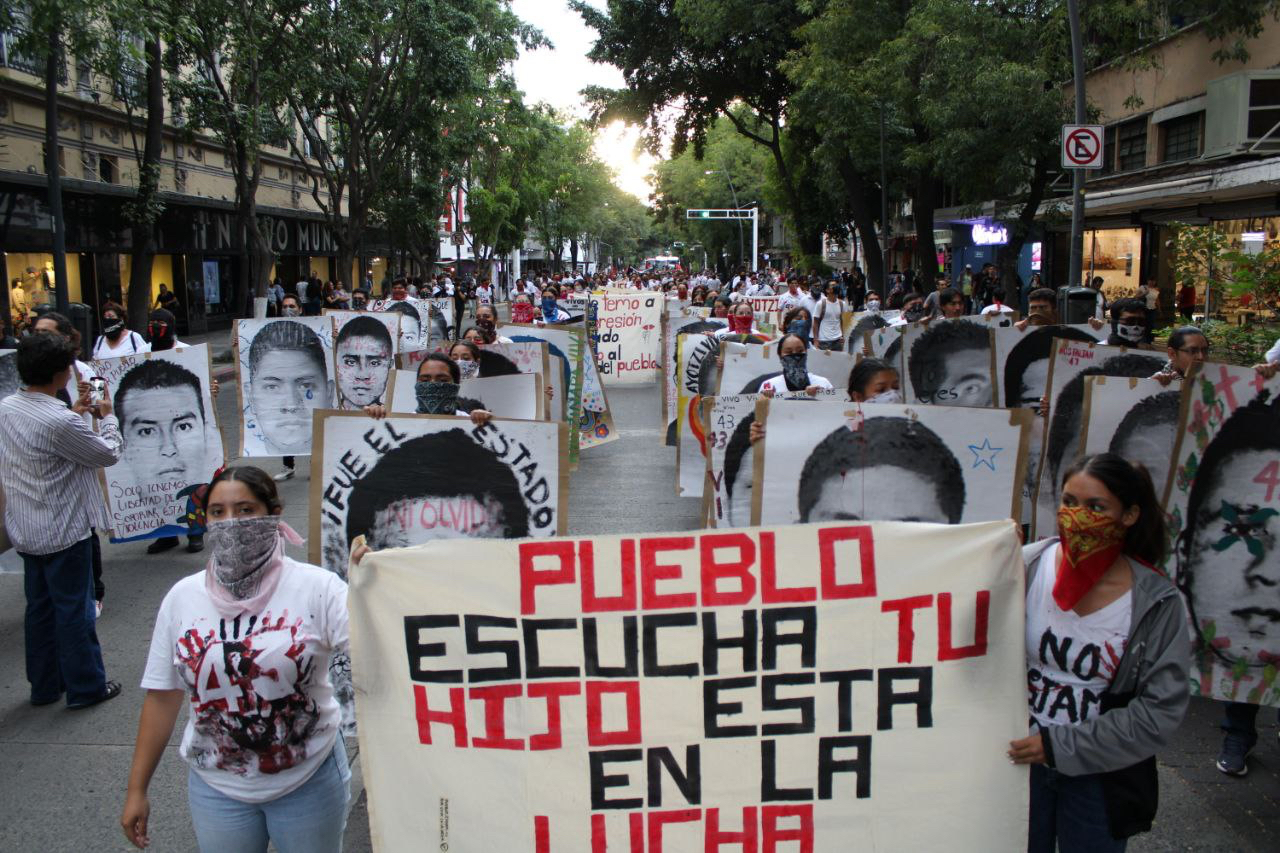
(1068, 811)
(63, 652)
(308, 819)
(1240, 721)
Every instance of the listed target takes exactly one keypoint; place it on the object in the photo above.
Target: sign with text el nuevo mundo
(800, 688)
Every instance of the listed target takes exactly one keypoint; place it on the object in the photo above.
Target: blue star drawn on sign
(985, 454)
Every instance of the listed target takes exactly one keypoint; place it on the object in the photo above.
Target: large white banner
(812, 688)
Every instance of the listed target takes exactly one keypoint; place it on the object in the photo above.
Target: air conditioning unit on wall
(1242, 114)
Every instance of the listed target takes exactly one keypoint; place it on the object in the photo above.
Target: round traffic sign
(1082, 146)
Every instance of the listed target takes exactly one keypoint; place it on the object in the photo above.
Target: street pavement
(63, 773)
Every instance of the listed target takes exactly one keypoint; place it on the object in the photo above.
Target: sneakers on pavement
(97, 609)
(1232, 760)
(286, 474)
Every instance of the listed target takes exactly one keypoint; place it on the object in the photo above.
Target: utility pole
(53, 71)
(734, 192)
(1077, 176)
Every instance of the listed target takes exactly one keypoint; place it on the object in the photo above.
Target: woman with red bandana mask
(741, 318)
(1107, 661)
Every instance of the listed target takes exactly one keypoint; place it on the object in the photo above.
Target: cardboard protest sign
(444, 324)
(696, 356)
(1022, 359)
(172, 444)
(552, 701)
(285, 372)
(823, 460)
(729, 458)
(518, 395)
(629, 336)
(419, 329)
(1133, 418)
(1072, 362)
(680, 322)
(949, 363)
(884, 342)
(1222, 505)
(747, 367)
(364, 349)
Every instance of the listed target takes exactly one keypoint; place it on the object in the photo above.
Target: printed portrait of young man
(362, 354)
(288, 380)
(164, 424)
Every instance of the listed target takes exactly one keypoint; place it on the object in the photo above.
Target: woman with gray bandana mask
(439, 379)
(796, 380)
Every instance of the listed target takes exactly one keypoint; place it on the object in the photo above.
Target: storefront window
(1113, 255)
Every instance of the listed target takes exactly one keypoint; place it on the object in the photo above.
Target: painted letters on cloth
(795, 688)
(629, 342)
(1224, 505)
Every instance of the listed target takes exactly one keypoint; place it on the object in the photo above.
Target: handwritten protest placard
(795, 688)
(628, 344)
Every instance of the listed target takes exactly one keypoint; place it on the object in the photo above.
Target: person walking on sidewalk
(49, 464)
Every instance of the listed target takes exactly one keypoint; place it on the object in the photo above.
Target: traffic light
(705, 214)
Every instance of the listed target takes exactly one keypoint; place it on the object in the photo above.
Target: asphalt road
(62, 773)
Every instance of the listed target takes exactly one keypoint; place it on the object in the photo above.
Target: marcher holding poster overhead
(266, 759)
(1107, 661)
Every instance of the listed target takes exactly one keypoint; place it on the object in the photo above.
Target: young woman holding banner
(267, 759)
(1107, 661)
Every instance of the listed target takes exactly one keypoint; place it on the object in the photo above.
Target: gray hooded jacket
(1153, 668)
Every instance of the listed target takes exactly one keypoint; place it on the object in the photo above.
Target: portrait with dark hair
(949, 363)
(9, 380)
(1066, 416)
(363, 352)
(680, 322)
(411, 337)
(285, 374)
(829, 460)
(1023, 361)
(171, 439)
(409, 479)
(729, 458)
(1226, 557)
(697, 376)
(1136, 419)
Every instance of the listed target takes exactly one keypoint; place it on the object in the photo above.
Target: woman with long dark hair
(1107, 661)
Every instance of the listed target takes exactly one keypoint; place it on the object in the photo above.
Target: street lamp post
(734, 192)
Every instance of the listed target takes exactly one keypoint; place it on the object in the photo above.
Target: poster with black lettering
(364, 347)
(629, 325)
(172, 444)
(683, 321)
(517, 395)
(824, 460)
(1134, 418)
(286, 373)
(1022, 373)
(748, 366)
(949, 363)
(419, 329)
(802, 688)
(698, 374)
(729, 458)
(1224, 506)
(1071, 363)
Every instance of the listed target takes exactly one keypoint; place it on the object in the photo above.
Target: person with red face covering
(1107, 661)
(740, 321)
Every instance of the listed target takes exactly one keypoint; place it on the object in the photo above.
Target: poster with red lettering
(630, 336)
(1224, 512)
(813, 687)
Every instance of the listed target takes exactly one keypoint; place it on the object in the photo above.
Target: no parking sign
(1082, 146)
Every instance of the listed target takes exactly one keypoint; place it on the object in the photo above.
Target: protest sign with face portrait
(827, 460)
(747, 367)
(683, 321)
(286, 373)
(1224, 507)
(629, 336)
(408, 479)
(604, 712)
(443, 325)
(417, 327)
(518, 396)
(729, 458)
(171, 439)
(364, 348)
(1071, 363)
(1133, 418)
(698, 375)
(949, 363)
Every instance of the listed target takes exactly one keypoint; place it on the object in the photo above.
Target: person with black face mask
(116, 339)
(1128, 323)
(439, 380)
(796, 380)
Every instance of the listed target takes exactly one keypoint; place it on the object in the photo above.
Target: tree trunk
(1019, 230)
(53, 171)
(858, 193)
(924, 200)
(143, 226)
(573, 253)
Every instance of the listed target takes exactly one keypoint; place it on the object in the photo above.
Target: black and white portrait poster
(696, 357)
(729, 458)
(1134, 418)
(1224, 505)
(443, 324)
(364, 348)
(884, 342)
(9, 381)
(826, 460)
(286, 373)
(748, 366)
(172, 443)
(679, 321)
(1072, 362)
(418, 328)
(950, 363)
(519, 396)
(407, 479)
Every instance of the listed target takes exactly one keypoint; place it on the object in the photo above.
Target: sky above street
(556, 75)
